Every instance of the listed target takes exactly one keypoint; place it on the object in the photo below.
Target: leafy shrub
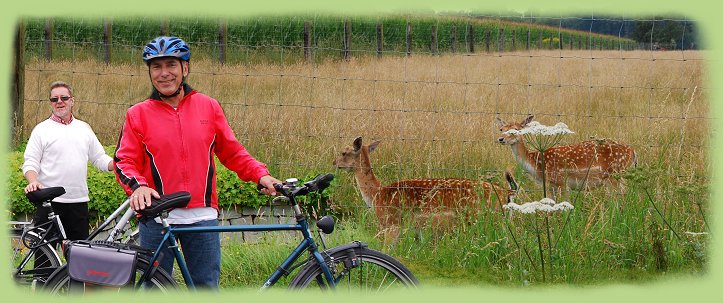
(106, 195)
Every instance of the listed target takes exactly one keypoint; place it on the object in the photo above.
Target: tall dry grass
(436, 118)
(434, 115)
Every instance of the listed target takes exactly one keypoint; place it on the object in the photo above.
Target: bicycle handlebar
(291, 190)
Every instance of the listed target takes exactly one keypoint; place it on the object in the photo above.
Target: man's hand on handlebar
(268, 185)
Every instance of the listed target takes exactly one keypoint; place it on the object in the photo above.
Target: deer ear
(357, 144)
(499, 121)
(373, 146)
(528, 120)
(511, 180)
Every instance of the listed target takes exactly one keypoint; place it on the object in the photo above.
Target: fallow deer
(583, 165)
(425, 200)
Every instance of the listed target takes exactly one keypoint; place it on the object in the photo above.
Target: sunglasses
(63, 98)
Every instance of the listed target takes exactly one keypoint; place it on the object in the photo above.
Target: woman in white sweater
(57, 154)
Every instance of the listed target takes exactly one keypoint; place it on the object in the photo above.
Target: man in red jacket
(167, 144)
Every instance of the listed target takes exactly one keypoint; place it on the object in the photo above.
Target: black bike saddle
(166, 202)
(45, 194)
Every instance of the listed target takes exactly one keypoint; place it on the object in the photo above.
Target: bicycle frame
(306, 244)
(120, 224)
(42, 231)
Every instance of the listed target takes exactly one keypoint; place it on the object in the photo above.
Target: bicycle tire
(38, 272)
(59, 281)
(357, 269)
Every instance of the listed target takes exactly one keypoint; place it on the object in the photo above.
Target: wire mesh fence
(297, 89)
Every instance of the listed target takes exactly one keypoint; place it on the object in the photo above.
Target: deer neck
(528, 159)
(369, 185)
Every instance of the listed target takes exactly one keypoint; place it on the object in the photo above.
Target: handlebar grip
(321, 182)
(277, 186)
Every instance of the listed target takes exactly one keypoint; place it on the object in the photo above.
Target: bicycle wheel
(356, 269)
(59, 281)
(31, 265)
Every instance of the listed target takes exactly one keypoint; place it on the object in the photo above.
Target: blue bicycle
(353, 266)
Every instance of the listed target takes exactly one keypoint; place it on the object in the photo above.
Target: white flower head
(544, 205)
(695, 234)
(535, 128)
(541, 137)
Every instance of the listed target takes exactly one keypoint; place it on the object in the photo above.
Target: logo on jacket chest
(204, 121)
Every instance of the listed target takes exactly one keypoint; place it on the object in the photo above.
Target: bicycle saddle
(45, 194)
(166, 202)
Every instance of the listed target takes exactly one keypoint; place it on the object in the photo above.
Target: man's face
(62, 109)
(166, 74)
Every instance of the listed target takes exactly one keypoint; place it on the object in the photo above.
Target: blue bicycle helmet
(165, 46)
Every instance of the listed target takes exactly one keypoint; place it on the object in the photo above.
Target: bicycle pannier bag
(101, 265)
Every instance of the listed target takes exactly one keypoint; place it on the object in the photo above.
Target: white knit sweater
(60, 153)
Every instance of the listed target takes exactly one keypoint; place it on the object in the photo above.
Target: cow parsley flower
(695, 234)
(544, 205)
(536, 128)
(541, 137)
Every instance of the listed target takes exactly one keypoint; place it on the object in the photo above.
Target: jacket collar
(187, 90)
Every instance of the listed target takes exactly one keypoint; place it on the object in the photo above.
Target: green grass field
(435, 117)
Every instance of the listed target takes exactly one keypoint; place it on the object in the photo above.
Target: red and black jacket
(172, 150)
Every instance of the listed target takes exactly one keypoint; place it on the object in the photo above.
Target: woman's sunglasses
(63, 98)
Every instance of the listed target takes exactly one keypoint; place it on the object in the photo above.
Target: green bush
(106, 194)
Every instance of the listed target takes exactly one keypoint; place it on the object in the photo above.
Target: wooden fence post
(501, 40)
(470, 38)
(307, 41)
(107, 39)
(18, 90)
(539, 41)
(222, 41)
(380, 39)
(433, 45)
(487, 41)
(559, 40)
(571, 41)
(453, 42)
(409, 38)
(48, 39)
(347, 39)
(514, 33)
(164, 27)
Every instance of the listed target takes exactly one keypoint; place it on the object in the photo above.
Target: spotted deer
(583, 165)
(434, 201)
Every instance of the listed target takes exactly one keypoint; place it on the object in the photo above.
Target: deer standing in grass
(577, 166)
(434, 201)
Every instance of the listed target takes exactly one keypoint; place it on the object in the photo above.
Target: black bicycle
(34, 255)
(353, 266)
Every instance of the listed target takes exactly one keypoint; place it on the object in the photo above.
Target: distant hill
(671, 32)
